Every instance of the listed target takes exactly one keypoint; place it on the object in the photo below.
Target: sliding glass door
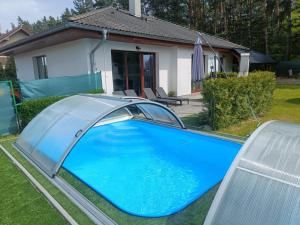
(133, 70)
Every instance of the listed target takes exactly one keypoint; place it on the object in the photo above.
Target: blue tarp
(8, 119)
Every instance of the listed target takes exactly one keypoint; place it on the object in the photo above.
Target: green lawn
(285, 107)
(21, 203)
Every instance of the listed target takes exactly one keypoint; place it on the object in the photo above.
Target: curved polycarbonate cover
(263, 184)
(49, 137)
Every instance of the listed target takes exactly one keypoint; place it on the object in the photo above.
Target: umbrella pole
(221, 64)
(209, 45)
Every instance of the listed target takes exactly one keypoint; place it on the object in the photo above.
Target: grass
(285, 107)
(21, 203)
(193, 214)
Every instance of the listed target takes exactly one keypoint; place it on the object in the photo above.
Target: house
(10, 37)
(131, 50)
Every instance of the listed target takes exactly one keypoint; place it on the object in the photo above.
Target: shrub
(29, 109)
(226, 75)
(229, 100)
(171, 93)
(96, 91)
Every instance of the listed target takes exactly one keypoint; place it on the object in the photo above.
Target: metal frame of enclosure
(266, 172)
(51, 135)
(263, 182)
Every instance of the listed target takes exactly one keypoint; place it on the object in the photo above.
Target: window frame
(40, 67)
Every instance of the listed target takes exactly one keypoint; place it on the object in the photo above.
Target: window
(222, 64)
(40, 67)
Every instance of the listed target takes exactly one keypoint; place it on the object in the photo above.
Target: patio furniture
(131, 93)
(162, 94)
(151, 96)
(121, 93)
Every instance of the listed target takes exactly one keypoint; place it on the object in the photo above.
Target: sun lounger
(162, 94)
(131, 93)
(151, 96)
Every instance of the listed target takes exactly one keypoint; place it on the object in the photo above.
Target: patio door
(133, 70)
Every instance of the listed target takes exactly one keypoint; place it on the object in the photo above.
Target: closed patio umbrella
(198, 62)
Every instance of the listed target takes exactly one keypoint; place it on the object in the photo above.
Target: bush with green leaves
(171, 94)
(30, 108)
(226, 75)
(229, 100)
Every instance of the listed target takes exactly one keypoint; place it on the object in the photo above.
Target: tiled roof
(114, 19)
(117, 21)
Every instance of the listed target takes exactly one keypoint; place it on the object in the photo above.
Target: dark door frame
(141, 62)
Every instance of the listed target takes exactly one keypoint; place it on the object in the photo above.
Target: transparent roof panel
(158, 114)
(49, 137)
(264, 181)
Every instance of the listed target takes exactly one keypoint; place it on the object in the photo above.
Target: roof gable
(7, 35)
(120, 23)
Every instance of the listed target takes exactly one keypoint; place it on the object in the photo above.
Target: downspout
(92, 53)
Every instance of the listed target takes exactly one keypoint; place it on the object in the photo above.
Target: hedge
(30, 108)
(229, 100)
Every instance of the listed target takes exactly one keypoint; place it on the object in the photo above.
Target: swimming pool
(147, 169)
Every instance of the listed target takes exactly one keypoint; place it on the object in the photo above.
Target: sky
(30, 10)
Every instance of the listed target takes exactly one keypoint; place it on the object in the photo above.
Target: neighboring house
(130, 50)
(14, 35)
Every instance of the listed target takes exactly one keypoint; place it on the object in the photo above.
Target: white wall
(173, 64)
(184, 71)
(67, 59)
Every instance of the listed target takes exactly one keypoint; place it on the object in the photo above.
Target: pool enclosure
(50, 136)
(138, 155)
(135, 153)
(263, 184)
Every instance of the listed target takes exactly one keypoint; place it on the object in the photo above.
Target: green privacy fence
(8, 111)
(59, 86)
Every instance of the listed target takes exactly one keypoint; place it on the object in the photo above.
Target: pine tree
(82, 6)
(24, 23)
(102, 3)
(9, 73)
(66, 15)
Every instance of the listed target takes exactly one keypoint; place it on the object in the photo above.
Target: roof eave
(54, 30)
(6, 49)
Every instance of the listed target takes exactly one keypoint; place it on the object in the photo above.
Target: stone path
(196, 106)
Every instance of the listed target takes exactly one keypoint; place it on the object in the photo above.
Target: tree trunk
(289, 29)
(266, 35)
(250, 22)
(277, 13)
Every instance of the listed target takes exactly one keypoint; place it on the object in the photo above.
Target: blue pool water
(149, 170)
